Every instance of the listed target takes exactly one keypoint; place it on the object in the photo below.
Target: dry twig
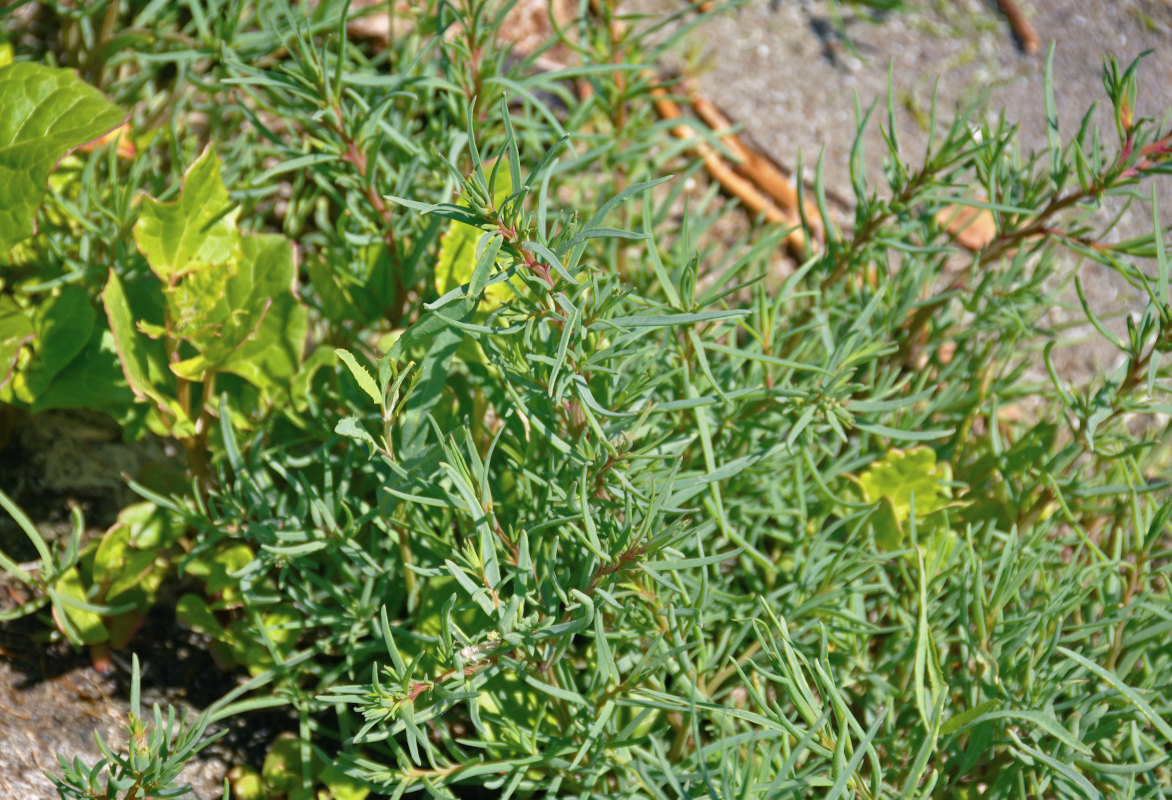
(743, 188)
(1022, 28)
(755, 166)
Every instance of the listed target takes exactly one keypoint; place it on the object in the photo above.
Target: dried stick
(762, 187)
(756, 167)
(743, 188)
(1022, 28)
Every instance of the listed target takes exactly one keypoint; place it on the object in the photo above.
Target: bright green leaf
(94, 380)
(143, 361)
(216, 568)
(45, 112)
(892, 482)
(258, 330)
(457, 257)
(282, 764)
(904, 473)
(364, 378)
(16, 329)
(63, 325)
(85, 626)
(150, 526)
(192, 611)
(110, 556)
(197, 230)
(341, 786)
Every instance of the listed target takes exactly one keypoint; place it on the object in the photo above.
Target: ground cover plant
(508, 476)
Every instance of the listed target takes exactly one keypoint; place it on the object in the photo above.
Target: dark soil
(52, 700)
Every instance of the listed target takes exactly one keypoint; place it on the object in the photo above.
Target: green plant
(156, 751)
(652, 522)
(48, 112)
(121, 571)
(222, 305)
(216, 303)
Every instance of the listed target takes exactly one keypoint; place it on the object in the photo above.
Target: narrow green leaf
(364, 378)
(1131, 695)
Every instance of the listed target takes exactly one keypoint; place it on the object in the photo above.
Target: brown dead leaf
(971, 228)
(121, 134)
(945, 352)
(1014, 412)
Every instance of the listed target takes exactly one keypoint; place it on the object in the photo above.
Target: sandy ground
(791, 73)
(56, 706)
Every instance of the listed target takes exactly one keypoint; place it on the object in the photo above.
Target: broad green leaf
(143, 360)
(888, 524)
(111, 554)
(340, 785)
(258, 330)
(82, 626)
(282, 764)
(892, 482)
(217, 568)
(45, 112)
(513, 710)
(192, 611)
(247, 783)
(355, 283)
(16, 329)
(197, 230)
(122, 627)
(281, 624)
(457, 257)
(903, 473)
(135, 362)
(196, 304)
(63, 327)
(137, 580)
(351, 428)
(151, 526)
(94, 379)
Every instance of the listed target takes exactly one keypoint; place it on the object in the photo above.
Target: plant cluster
(510, 477)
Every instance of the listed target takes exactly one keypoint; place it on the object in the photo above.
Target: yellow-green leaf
(904, 473)
(457, 256)
(197, 230)
(82, 626)
(16, 329)
(45, 112)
